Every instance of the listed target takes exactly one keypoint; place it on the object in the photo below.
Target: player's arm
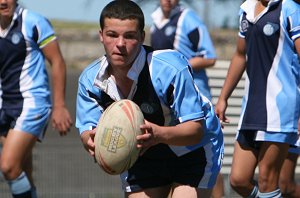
(198, 63)
(297, 46)
(183, 134)
(234, 74)
(61, 119)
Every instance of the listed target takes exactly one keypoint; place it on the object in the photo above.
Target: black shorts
(150, 173)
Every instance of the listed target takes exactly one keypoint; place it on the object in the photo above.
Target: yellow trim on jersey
(47, 40)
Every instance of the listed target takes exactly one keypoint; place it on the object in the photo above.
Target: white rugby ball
(115, 139)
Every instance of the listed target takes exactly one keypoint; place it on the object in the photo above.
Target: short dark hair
(123, 9)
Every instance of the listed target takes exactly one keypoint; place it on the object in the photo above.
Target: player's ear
(143, 36)
(101, 36)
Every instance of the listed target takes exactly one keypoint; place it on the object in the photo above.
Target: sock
(274, 194)
(33, 192)
(20, 187)
(254, 192)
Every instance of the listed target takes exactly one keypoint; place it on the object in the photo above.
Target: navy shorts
(254, 138)
(188, 169)
(29, 120)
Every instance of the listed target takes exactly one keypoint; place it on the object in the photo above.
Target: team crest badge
(16, 38)
(244, 26)
(270, 28)
(147, 108)
(170, 30)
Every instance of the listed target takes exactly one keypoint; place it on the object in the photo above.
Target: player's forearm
(198, 63)
(184, 134)
(234, 74)
(59, 84)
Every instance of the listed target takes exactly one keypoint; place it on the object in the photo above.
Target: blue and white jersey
(272, 97)
(23, 75)
(185, 32)
(163, 88)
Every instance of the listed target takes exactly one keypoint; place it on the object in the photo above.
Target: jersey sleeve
(39, 29)
(294, 22)
(172, 74)
(193, 38)
(187, 101)
(242, 24)
(88, 111)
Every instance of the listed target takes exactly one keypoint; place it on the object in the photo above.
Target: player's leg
(242, 170)
(271, 158)
(15, 151)
(218, 190)
(159, 192)
(28, 167)
(287, 182)
(179, 191)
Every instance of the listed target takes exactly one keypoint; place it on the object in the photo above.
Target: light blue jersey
(173, 89)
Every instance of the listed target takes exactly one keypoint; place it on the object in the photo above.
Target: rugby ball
(115, 139)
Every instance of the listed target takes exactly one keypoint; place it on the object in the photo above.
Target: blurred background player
(183, 142)
(268, 49)
(176, 27)
(26, 39)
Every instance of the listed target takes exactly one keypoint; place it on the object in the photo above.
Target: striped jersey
(272, 96)
(163, 88)
(185, 32)
(23, 75)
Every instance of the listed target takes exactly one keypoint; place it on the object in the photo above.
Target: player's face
(122, 41)
(167, 6)
(7, 8)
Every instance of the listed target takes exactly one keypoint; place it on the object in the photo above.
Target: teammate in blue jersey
(26, 39)
(179, 28)
(183, 141)
(268, 49)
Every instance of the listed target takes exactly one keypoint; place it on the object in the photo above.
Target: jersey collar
(249, 7)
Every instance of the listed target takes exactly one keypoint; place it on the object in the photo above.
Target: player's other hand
(149, 136)
(61, 120)
(87, 138)
(220, 109)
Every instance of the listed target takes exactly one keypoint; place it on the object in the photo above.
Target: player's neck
(5, 22)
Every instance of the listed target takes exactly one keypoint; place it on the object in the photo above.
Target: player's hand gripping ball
(115, 140)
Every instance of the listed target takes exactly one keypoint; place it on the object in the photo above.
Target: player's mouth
(3, 6)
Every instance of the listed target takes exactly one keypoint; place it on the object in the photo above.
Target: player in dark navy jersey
(26, 39)
(183, 141)
(179, 28)
(268, 49)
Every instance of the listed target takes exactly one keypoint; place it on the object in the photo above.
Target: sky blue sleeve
(39, 28)
(171, 70)
(194, 38)
(187, 101)
(295, 25)
(88, 111)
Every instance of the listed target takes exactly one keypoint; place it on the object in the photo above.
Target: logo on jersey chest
(170, 30)
(270, 28)
(16, 38)
(147, 108)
